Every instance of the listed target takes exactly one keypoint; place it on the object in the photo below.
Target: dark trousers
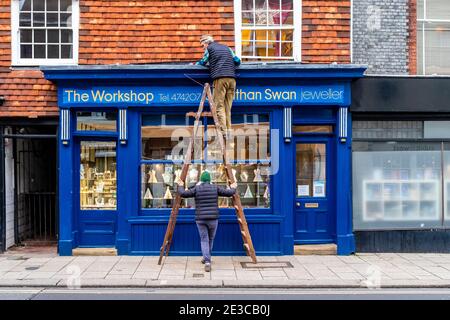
(207, 230)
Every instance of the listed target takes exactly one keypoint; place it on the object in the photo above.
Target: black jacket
(206, 198)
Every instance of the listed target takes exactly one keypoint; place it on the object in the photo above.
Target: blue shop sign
(156, 96)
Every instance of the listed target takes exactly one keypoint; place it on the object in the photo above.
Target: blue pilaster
(344, 234)
(129, 192)
(66, 184)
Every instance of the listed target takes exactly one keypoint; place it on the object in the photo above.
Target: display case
(98, 176)
(159, 184)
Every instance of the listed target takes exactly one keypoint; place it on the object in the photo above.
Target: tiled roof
(141, 32)
(150, 31)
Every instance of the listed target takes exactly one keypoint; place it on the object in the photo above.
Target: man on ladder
(206, 211)
(222, 64)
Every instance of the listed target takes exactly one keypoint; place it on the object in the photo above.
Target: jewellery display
(81, 171)
(248, 193)
(257, 175)
(167, 175)
(99, 187)
(167, 195)
(244, 176)
(148, 194)
(100, 201)
(266, 193)
(152, 178)
(192, 176)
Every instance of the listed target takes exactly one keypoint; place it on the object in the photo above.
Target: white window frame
(297, 36)
(15, 39)
(421, 29)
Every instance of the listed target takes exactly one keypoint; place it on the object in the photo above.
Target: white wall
(9, 192)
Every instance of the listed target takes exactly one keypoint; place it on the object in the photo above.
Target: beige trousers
(223, 98)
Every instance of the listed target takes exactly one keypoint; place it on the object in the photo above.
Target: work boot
(207, 266)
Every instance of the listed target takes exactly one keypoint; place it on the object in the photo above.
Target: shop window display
(397, 184)
(98, 176)
(249, 154)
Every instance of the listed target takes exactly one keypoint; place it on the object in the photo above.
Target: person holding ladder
(222, 66)
(206, 210)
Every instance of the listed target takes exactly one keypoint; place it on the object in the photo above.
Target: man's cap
(205, 177)
(206, 37)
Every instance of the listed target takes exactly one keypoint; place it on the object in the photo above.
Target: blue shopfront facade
(117, 167)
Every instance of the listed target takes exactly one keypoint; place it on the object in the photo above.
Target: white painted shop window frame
(422, 30)
(297, 34)
(15, 39)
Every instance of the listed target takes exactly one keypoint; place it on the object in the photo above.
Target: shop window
(44, 32)
(98, 186)
(397, 185)
(311, 170)
(433, 37)
(447, 184)
(163, 136)
(268, 29)
(312, 129)
(96, 121)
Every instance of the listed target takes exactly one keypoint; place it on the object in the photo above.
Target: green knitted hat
(205, 177)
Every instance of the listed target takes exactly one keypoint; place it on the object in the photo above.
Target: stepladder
(242, 222)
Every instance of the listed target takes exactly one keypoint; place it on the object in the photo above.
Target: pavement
(363, 270)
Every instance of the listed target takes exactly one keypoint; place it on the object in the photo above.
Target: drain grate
(31, 268)
(17, 258)
(266, 264)
(198, 275)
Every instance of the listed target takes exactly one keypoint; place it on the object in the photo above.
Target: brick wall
(412, 40)
(139, 32)
(381, 35)
(326, 31)
(27, 93)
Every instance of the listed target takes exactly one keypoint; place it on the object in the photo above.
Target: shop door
(313, 206)
(97, 202)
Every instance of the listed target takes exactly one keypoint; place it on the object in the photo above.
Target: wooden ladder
(245, 233)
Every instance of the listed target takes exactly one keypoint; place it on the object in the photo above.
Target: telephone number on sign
(181, 97)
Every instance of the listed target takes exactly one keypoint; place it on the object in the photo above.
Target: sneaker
(203, 260)
(207, 266)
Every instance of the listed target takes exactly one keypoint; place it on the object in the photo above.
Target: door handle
(298, 204)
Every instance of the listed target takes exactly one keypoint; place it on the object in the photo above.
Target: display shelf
(390, 200)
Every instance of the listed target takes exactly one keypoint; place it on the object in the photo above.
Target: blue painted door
(314, 191)
(97, 193)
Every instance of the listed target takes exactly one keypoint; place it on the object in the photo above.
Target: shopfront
(124, 129)
(401, 164)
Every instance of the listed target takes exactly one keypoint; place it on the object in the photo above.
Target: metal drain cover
(31, 268)
(17, 258)
(198, 275)
(266, 264)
